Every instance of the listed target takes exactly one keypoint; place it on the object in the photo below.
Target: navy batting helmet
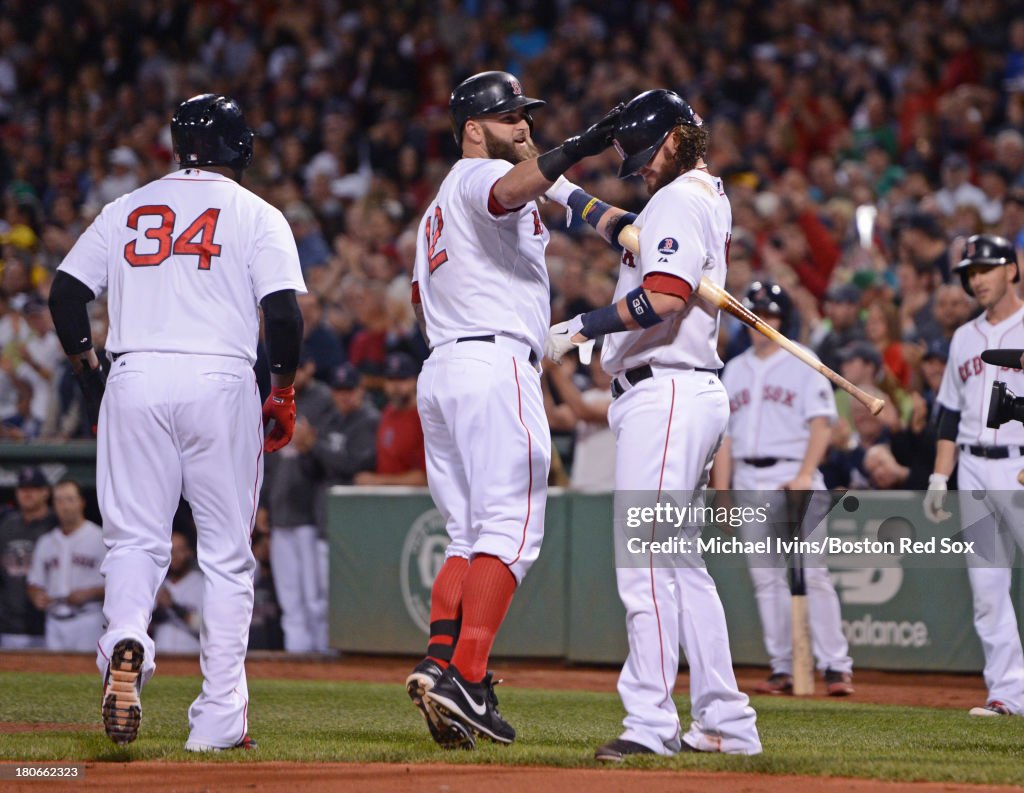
(986, 250)
(768, 298)
(484, 94)
(646, 122)
(209, 129)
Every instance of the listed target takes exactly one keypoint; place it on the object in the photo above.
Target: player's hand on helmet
(279, 407)
(566, 335)
(596, 138)
(935, 498)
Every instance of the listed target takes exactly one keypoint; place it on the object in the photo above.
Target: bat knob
(876, 406)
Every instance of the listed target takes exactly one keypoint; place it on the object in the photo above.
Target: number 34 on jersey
(156, 221)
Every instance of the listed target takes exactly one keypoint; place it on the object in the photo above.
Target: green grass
(360, 722)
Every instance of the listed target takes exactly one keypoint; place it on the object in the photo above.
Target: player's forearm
(817, 446)
(523, 183)
(283, 326)
(606, 219)
(641, 308)
(945, 457)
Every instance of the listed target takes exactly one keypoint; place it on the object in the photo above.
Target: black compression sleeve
(283, 326)
(948, 424)
(68, 300)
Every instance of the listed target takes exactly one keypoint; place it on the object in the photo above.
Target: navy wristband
(640, 308)
(601, 321)
(620, 224)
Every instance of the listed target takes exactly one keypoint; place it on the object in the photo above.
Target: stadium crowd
(860, 143)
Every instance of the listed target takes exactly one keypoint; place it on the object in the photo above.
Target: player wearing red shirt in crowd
(400, 456)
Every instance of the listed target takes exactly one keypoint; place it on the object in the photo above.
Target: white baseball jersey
(64, 563)
(481, 270)
(967, 383)
(771, 403)
(684, 232)
(186, 260)
(174, 635)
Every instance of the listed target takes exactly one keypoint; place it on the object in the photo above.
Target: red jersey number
(203, 227)
(433, 233)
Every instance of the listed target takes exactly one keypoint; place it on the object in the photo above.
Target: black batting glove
(597, 138)
(594, 140)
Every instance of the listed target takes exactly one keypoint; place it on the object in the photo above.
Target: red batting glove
(280, 406)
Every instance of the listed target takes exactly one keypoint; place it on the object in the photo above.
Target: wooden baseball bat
(629, 238)
(797, 503)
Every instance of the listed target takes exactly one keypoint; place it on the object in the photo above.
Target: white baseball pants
(488, 448)
(994, 523)
(296, 559)
(187, 425)
(667, 430)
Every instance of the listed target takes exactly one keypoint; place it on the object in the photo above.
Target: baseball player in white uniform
(65, 578)
(178, 617)
(186, 261)
(669, 415)
(480, 287)
(990, 461)
(780, 417)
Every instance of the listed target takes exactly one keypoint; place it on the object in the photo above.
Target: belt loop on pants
(492, 338)
(640, 373)
(993, 452)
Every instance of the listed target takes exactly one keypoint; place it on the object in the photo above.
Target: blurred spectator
(178, 615)
(400, 456)
(319, 343)
(882, 328)
(956, 189)
(593, 467)
(348, 442)
(843, 325)
(21, 623)
(65, 579)
(313, 248)
(933, 366)
(951, 308)
(265, 629)
(293, 497)
(845, 465)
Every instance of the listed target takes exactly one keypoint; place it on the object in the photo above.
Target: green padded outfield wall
(387, 545)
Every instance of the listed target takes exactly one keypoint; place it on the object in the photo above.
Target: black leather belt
(993, 452)
(115, 355)
(766, 462)
(638, 375)
(490, 338)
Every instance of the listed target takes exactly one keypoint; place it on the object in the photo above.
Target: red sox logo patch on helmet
(517, 89)
(668, 246)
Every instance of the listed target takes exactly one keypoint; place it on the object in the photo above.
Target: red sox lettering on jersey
(771, 401)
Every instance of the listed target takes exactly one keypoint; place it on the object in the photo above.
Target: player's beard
(498, 149)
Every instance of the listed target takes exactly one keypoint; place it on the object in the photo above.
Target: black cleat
(447, 732)
(121, 706)
(473, 704)
(618, 750)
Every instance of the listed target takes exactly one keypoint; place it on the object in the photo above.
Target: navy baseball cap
(346, 377)
(937, 348)
(843, 293)
(399, 366)
(864, 350)
(32, 476)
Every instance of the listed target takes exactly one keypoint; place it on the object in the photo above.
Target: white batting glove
(935, 498)
(560, 341)
(560, 191)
